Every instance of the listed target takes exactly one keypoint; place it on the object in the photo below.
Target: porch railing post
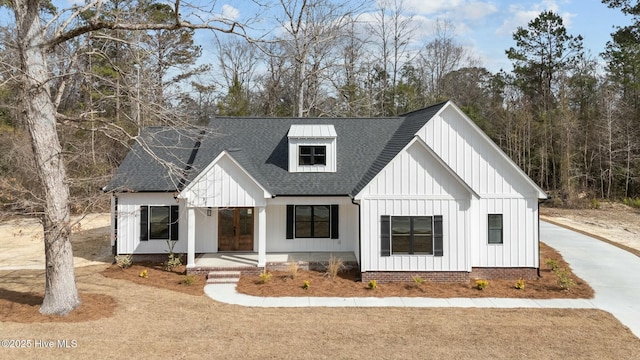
(191, 238)
(262, 236)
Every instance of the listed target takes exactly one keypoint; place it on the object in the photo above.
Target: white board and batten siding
(224, 183)
(501, 186)
(347, 228)
(128, 217)
(415, 183)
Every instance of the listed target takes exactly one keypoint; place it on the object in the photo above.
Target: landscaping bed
(345, 284)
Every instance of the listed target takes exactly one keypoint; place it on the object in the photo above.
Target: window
(495, 229)
(420, 235)
(159, 223)
(312, 155)
(411, 235)
(312, 221)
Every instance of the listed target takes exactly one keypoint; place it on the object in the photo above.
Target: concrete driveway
(613, 273)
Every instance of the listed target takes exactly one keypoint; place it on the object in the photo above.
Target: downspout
(540, 201)
(353, 201)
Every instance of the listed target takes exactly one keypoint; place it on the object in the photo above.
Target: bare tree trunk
(61, 294)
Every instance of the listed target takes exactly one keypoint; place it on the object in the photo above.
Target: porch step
(223, 277)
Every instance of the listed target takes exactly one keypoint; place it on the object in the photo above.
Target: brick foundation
(272, 266)
(204, 270)
(432, 276)
(452, 276)
(504, 273)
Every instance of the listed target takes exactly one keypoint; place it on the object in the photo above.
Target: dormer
(312, 148)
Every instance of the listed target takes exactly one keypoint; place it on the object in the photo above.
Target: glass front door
(235, 229)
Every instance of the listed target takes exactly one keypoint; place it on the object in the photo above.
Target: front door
(235, 229)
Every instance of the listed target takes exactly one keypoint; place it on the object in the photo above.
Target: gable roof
(166, 159)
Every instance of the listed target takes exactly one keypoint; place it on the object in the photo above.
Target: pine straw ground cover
(282, 283)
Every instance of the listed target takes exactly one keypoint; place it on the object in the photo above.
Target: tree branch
(101, 25)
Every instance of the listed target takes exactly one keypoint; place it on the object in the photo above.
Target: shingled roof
(166, 159)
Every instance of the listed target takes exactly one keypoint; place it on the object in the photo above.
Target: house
(426, 193)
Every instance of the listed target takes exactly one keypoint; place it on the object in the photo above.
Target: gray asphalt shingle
(364, 146)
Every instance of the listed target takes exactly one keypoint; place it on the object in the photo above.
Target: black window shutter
(290, 221)
(385, 235)
(334, 222)
(174, 222)
(437, 236)
(144, 223)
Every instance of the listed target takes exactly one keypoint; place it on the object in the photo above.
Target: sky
(485, 27)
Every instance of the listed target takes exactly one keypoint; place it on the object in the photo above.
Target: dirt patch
(345, 285)
(23, 307)
(614, 223)
(22, 242)
(157, 276)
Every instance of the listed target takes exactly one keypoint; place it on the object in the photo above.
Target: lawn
(151, 322)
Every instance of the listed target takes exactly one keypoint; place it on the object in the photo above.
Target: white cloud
(433, 6)
(520, 16)
(478, 9)
(229, 12)
(467, 9)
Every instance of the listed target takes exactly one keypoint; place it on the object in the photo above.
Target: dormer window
(312, 148)
(312, 155)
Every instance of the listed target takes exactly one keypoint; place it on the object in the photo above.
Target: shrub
(595, 204)
(417, 280)
(564, 279)
(334, 267)
(144, 274)
(188, 280)
(293, 269)
(519, 284)
(481, 284)
(173, 260)
(265, 276)
(306, 284)
(552, 264)
(633, 202)
(124, 261)
(372, 284)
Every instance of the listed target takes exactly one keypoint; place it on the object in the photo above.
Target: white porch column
(262, 236)
(191, 238)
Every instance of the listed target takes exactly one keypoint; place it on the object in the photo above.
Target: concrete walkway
(603, 266)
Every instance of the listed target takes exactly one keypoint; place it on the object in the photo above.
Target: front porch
(247, 262)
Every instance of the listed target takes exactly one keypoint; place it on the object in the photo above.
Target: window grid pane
(412, 235)
(312, 155)
(495, 229)
(312, 221)
(159, 222)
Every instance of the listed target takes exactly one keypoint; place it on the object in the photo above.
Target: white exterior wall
(416, 184)
(277, 226)
(206, 230)
(224, 184)
(520, 234)
(128, 217)
(502, 190)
